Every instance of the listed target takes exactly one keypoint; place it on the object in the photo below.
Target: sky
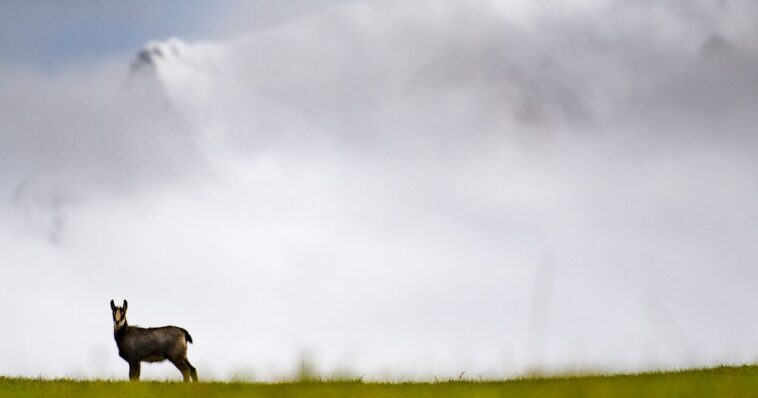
(395, 190)
(48, 34)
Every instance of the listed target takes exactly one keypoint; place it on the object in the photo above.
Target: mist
(395, 191)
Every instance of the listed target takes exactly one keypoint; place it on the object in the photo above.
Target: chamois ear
(113, 306)
(125, 305)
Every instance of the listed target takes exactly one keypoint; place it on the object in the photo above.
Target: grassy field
(717, 382)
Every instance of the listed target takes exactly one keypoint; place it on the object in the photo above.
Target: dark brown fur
(136, 345)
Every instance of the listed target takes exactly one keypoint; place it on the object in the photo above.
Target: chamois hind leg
(134, 371)
(182, 366)
(193, 371)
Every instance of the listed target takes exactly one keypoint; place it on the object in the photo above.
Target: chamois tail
(186, 335)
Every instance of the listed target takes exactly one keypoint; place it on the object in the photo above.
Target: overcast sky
(391, 189)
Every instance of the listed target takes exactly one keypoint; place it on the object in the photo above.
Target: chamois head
(119, 315)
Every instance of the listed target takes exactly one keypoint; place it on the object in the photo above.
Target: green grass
(716, 382)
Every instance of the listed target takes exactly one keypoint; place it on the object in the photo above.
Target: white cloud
(380, 185)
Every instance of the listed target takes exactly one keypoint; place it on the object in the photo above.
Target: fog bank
(393, 190)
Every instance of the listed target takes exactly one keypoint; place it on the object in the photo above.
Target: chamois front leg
(134, 371)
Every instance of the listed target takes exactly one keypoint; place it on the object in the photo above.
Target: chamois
(136, 344)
